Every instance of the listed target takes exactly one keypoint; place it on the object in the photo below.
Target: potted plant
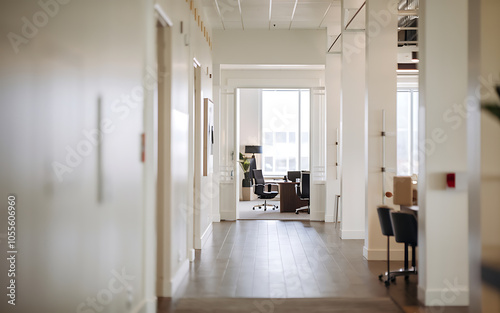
(493, 108)
(245, 166)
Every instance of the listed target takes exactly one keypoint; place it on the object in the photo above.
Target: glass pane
(305, 163)
(305, 113)
(280, 117)
(292, 164)
(281, 165)
(268, 138)
(268, 164)
(281, 137)
(403, 132)
(415, 133)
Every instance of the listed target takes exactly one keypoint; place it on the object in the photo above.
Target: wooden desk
(289, 200)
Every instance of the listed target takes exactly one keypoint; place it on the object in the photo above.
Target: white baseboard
(381, 254)
(329, 219)
(216, 218)
(176, 281)
(317, 216)
(206, 235)
(228, 216)
(449, 295)
(191, 255)
(352, 234)
(146, 306)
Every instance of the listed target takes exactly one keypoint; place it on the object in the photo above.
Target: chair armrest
(269, 185)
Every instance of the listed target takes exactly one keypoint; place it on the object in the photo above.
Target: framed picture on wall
(208, 136)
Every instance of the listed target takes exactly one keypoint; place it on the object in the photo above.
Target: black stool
(384, 216)
(405, 230)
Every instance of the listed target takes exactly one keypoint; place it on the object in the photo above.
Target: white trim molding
(178, 277)
(206, 235)
(216, 218)
(164, 19)
(352, 234)
(450, 295)
(381, 254)
(146, 306)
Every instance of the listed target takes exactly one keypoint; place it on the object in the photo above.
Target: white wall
(443, 214)
(353, 130)
(381, 83)
(180, 211)
(269, 47)
(250, 123)
(333, 85)
(250, 118)
(69, 243)
(205, 192)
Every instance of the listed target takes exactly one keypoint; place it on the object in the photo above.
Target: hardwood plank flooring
(289, 259)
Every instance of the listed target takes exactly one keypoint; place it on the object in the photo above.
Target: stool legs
(388, 275)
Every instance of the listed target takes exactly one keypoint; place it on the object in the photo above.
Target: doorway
(274, 122)
(161, 133)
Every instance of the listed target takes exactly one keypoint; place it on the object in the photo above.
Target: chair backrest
(384, 217)
(293, 175)
(304, 185)
(257, 176)
(252, 167)
(405, 227)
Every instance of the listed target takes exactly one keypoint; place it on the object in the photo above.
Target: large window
(285, 130)
(407, 136)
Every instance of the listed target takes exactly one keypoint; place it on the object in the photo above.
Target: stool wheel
(387, 283)
(380, 277)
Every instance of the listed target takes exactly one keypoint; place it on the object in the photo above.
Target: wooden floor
(289, 259)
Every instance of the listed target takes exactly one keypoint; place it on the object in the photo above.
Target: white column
(332, 84)
(353, 128)
(381, 85)
(443, 215)
(217, 146)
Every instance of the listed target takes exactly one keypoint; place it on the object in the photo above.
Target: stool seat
(405, 229)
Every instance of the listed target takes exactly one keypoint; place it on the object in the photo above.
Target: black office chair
(406, 231)
(293, 175)
(259, 189)
(303, 191)
(384, 217)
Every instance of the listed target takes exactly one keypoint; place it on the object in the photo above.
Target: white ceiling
(271, 14)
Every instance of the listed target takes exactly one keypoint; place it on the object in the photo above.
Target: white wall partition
(318, 154)
(228, 188)
(443, 213)
(381, 84)
(353, 128)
